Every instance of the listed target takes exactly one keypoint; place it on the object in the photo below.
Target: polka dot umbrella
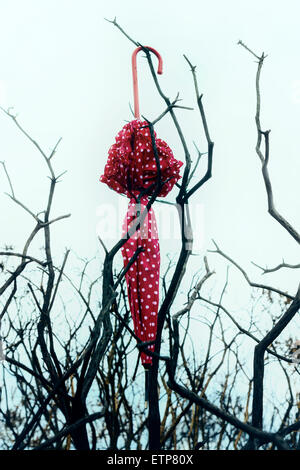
(132, 169)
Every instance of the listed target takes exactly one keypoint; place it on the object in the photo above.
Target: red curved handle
(135, 80)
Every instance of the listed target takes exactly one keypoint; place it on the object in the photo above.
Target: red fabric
(143, 276)
(131, 163)
(131, 167)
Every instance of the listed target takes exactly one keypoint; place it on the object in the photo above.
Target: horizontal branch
(263, 436)
(244, 331)
(252, 284)
(69, 429)
(20, 255)
(280, 266)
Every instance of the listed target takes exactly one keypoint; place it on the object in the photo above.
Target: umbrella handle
(135, 80)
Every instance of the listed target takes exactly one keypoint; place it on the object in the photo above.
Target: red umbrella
(131, 169)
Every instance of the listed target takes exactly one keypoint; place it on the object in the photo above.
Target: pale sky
(67, 72)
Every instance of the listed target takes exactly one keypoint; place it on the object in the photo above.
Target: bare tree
(80, 386)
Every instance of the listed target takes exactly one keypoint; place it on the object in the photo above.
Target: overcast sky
(67, 72)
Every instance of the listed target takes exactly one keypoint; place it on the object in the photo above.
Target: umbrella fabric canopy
(143, 276)
(131, 169)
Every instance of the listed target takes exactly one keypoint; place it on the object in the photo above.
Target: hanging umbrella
(131, 169)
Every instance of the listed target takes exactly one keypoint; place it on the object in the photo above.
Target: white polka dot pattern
(143, 297)
(131, 163)
(131, 167)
